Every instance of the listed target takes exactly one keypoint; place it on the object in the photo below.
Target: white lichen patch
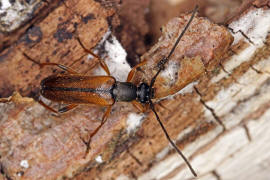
(19, 174)
(163, 153)
(170, 73)
(174, 161)
(263, 66)
(187, 89)
(104, 38)
(115, 58)
(252, 161)
(164, 168)
(222, 103)
(13, 15)
(24, 164)
(255, 25)
(122, 177)
(227, 100)
(234, 62)
(202, 140)
(5, 5)
(45, 100)
(134, 121)
(224, 147)
(166, 150)
(98, 159)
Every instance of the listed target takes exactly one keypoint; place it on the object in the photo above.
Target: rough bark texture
(201, 49)
(220, 122)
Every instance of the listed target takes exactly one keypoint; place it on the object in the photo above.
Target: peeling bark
(220, 121)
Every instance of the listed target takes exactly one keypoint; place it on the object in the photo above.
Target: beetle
(75, 88)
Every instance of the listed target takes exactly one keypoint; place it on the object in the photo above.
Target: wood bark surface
(220, 121)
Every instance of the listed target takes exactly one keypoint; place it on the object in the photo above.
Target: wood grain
(220, 121)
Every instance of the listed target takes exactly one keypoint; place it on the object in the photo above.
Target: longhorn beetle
(74, 89)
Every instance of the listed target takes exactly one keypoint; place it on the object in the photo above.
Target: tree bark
(220, 121)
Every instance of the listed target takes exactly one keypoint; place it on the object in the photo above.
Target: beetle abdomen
(78, 89)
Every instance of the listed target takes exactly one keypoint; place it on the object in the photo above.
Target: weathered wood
(220, 121)
(17, 16)
(234, 99)
(50, 145)
(53, 39)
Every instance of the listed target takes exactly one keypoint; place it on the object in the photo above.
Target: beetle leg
(62, 110)
(65, 68)
(104, 119)
(46, 106)
(139, 106)
(91, 67)
(67, 108)
(133, 70)
(101, 61)
(41, 65)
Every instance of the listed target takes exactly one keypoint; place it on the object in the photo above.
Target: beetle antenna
(31, 59)
(170, 140)
(163, 61)
(160, 65)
